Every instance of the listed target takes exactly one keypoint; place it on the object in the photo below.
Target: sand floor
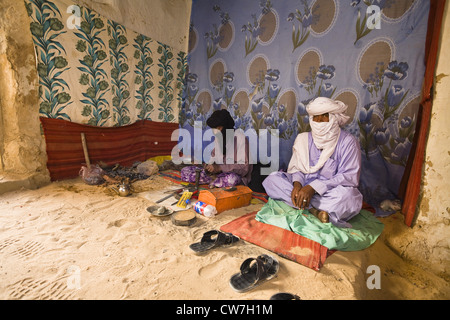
(72, 241)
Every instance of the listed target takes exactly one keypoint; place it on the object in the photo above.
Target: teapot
(123, 189)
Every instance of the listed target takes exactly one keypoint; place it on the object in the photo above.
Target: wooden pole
(85, 149)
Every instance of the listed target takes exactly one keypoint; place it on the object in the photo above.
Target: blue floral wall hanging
(266, 60)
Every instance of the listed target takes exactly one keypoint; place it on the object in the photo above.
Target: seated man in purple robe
(324, 172)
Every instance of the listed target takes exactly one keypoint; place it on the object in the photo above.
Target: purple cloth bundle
(223, 180)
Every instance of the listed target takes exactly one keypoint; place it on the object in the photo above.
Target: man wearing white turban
(324, 172)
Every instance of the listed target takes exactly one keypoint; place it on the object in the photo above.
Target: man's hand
(302, 196)
(296, 193)
(213, 168)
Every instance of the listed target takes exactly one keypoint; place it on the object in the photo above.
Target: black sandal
(285, 296)
(255, 272)
(213, 239)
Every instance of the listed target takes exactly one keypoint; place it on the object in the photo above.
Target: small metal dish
(158, 211)
(184, 218)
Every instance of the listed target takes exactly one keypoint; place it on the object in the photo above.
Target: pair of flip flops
(254, 272)
(213, 239)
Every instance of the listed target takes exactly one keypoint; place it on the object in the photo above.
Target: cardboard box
(227, 200)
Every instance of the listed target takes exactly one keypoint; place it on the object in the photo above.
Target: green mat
(366, 228)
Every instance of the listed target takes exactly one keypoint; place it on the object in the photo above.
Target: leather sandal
(255, 272)
(213, 239)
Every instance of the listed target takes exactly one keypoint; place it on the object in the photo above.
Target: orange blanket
(284, 243)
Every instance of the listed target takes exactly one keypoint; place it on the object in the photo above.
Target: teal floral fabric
(94, 71)
(266, 60)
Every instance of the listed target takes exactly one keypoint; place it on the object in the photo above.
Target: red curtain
(122, 145)
(412, 180)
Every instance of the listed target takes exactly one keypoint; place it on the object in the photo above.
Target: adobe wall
(428, 245)
(22, 147)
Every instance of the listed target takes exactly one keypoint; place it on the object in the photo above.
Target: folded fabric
(366, 228)
(226, 180)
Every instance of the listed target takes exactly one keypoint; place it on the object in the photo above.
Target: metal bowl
(184, 218)
(159, 211)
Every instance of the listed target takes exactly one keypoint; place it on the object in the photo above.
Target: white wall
(435, 204)
(166, 21)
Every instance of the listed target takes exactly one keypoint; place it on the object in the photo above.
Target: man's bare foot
(323, 216)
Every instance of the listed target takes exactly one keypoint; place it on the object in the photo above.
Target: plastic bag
(92, 176)
(391, 205)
